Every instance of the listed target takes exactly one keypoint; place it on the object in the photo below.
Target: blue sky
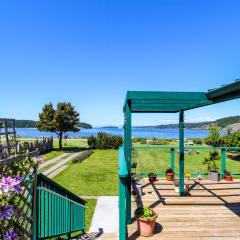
(91, 52)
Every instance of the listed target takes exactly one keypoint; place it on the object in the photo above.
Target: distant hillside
(222, 123)
(32, 124)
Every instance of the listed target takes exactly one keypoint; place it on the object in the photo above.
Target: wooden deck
(211, 212)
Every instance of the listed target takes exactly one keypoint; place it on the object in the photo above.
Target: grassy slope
(69, 145)
(96, 175)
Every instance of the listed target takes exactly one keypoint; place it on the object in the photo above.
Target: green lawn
(95, 176)
(91, 204)
(68, 145)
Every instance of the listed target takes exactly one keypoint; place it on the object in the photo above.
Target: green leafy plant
(214, 136)
(210, 161)
(169, 170)
(144, 212)
(227, 173)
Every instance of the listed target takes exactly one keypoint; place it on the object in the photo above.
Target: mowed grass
(91, 204)
(68, 145)
(95, 176)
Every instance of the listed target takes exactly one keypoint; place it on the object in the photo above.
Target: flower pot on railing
(146, 219)
(169, 174)
(228, 176)
(152, 177)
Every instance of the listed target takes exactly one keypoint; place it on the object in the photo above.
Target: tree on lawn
(60, 120)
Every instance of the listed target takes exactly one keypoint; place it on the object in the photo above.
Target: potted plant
(213, 173)
(146, 219)
(170, 174)
(228, 176)
(187, 176)
(152, 177)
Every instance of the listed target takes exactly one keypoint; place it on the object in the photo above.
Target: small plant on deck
(169, 174)
(152, 177)
(228, 176)
(212, 167)
(146, 219)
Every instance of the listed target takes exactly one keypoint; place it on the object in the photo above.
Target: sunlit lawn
(95, 176)
(68, 145)
(91, 204)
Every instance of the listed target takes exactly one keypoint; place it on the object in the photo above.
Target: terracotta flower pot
(170, 176)
(146, 227)
(228, 178)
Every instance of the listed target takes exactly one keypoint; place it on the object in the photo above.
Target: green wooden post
(172, 158)
(122, 210)
(128, 152)
(181, 153)
(223, 158)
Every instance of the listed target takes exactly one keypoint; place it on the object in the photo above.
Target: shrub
(210, 161)
(83, 156)
(213, 138)
(198, 141)
(105, 141)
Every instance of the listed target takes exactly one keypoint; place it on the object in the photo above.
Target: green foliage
(159, 141)
(105, 141)
(223, 122)
(144, 212)
(169, 170)
(198, 141)
(213, 138)
(210, 161)
(233, 139)
(25, 124)
(143, 140)
(60, 120)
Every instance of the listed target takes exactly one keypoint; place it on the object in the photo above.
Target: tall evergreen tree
(60, 120)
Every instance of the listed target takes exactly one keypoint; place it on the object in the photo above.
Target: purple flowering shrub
(12, 180)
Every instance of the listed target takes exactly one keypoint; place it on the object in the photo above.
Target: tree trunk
(60, 140)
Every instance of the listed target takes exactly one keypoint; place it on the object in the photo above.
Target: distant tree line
(32, 124)
(222, 123)
(105, 141)
(25, 124)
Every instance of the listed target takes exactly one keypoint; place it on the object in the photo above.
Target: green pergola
(161, 102)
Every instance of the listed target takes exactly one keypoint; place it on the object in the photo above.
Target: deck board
(211, 212)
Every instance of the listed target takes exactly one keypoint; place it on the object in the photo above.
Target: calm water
(137, 132)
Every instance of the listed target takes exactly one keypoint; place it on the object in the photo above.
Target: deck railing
(173, 149)
(59, 212)
(125, 177)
